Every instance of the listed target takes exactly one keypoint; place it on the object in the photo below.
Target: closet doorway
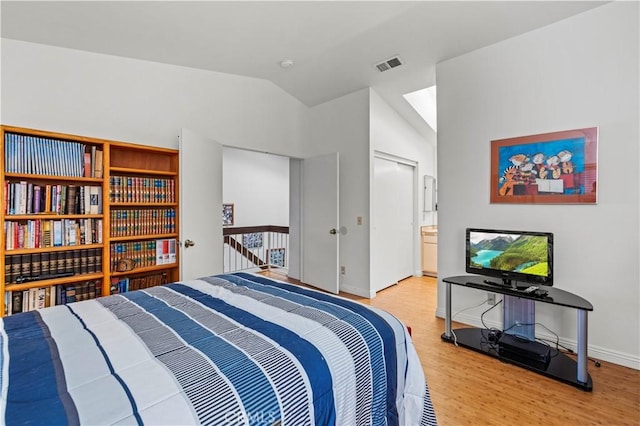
(393, 231)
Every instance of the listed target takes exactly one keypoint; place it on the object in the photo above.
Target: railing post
(269, 251)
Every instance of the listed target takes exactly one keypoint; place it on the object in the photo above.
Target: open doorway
(255, 196)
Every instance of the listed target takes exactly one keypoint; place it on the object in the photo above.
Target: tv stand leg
(447, 312)
(583, 376)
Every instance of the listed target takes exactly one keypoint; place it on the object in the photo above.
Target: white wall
(580, 72)
(258, 186)
(391, 134)
(295, 218)
(135, 101)
(356, 125)
(342, 125)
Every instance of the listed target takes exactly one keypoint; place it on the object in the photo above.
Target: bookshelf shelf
(129, 171)
(83, 185)
(132, 204)
(144, 270)
(22, 176)
(53, 282)
(52, 249)
(144, 237)
(51, 216)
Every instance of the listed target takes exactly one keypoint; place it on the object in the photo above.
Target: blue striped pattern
(310, 358)
(212, 397)
(282, 372)
(229, 349)
(254, 389)
(373, 329)
(125, 388)
(37, 392)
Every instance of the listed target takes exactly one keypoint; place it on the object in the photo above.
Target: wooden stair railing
(227, 232)
(236, 245)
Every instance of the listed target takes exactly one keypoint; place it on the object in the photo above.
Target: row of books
(43, 297)
(46, 156)
(131, 189)
(129, 222)
(125, 284)
(43, 233)
(28, 198)
(27, 267)
(144, 253)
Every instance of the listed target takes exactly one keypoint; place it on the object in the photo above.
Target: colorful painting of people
(553, 167)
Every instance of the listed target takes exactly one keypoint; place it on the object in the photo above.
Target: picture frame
(548, 168)
(276, 257)
(253, 240)
(227, 214)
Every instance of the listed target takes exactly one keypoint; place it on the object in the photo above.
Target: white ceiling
(333, 44)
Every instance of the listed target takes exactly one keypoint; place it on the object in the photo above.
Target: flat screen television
(510, 256)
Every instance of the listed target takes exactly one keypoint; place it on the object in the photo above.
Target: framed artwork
(227, 214)
(276, 257)
(252, 240)
(549, 168)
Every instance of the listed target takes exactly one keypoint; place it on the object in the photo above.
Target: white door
(392, 236)
(320, 223)
(200, 206)
(407, 233)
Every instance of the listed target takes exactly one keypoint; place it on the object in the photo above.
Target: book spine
(68, 261)
(84, 261)
(25, 265)
(16, 302)
(45, 263)
(7, 269)
(36, 264)
(77, 262)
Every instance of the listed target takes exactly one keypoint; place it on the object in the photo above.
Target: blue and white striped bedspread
(223, 350)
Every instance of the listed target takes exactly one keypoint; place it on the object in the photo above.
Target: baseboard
(596, 352)
(357, 291)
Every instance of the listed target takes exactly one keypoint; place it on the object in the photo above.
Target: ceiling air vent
(388, 64)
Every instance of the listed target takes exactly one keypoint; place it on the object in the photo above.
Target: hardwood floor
(468, 388)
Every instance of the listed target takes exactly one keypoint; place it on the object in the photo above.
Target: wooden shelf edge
(53, 282)
(54, 135)
(143, 237)
(52, 177)
(129, 146)
(51, 216)
(123, 204)
(142, 171)
(48, 249)
(145, 269)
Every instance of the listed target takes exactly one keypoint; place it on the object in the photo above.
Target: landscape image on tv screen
(525, 254)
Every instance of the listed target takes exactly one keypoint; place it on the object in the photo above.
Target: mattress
(229, 349)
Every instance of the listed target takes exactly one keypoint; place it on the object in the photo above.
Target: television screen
(512, 256)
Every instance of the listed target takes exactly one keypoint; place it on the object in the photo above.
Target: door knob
(333, 231)
(189, 243)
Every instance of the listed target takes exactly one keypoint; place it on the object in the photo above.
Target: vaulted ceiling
(333, 45)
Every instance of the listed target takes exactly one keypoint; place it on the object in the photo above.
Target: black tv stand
(555, 364)
(506, 283)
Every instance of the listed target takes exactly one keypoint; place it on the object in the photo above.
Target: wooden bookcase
(96, 210)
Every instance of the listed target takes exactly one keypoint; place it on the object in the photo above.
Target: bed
(227, 349)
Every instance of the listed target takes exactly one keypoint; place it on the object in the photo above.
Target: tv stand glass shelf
(517, 303)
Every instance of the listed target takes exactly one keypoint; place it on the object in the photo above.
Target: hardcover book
(94, 202)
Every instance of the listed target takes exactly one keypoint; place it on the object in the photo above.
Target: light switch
(359, 220)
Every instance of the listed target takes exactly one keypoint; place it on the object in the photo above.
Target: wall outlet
(491, 298)
(343, 270)
(359, 220)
